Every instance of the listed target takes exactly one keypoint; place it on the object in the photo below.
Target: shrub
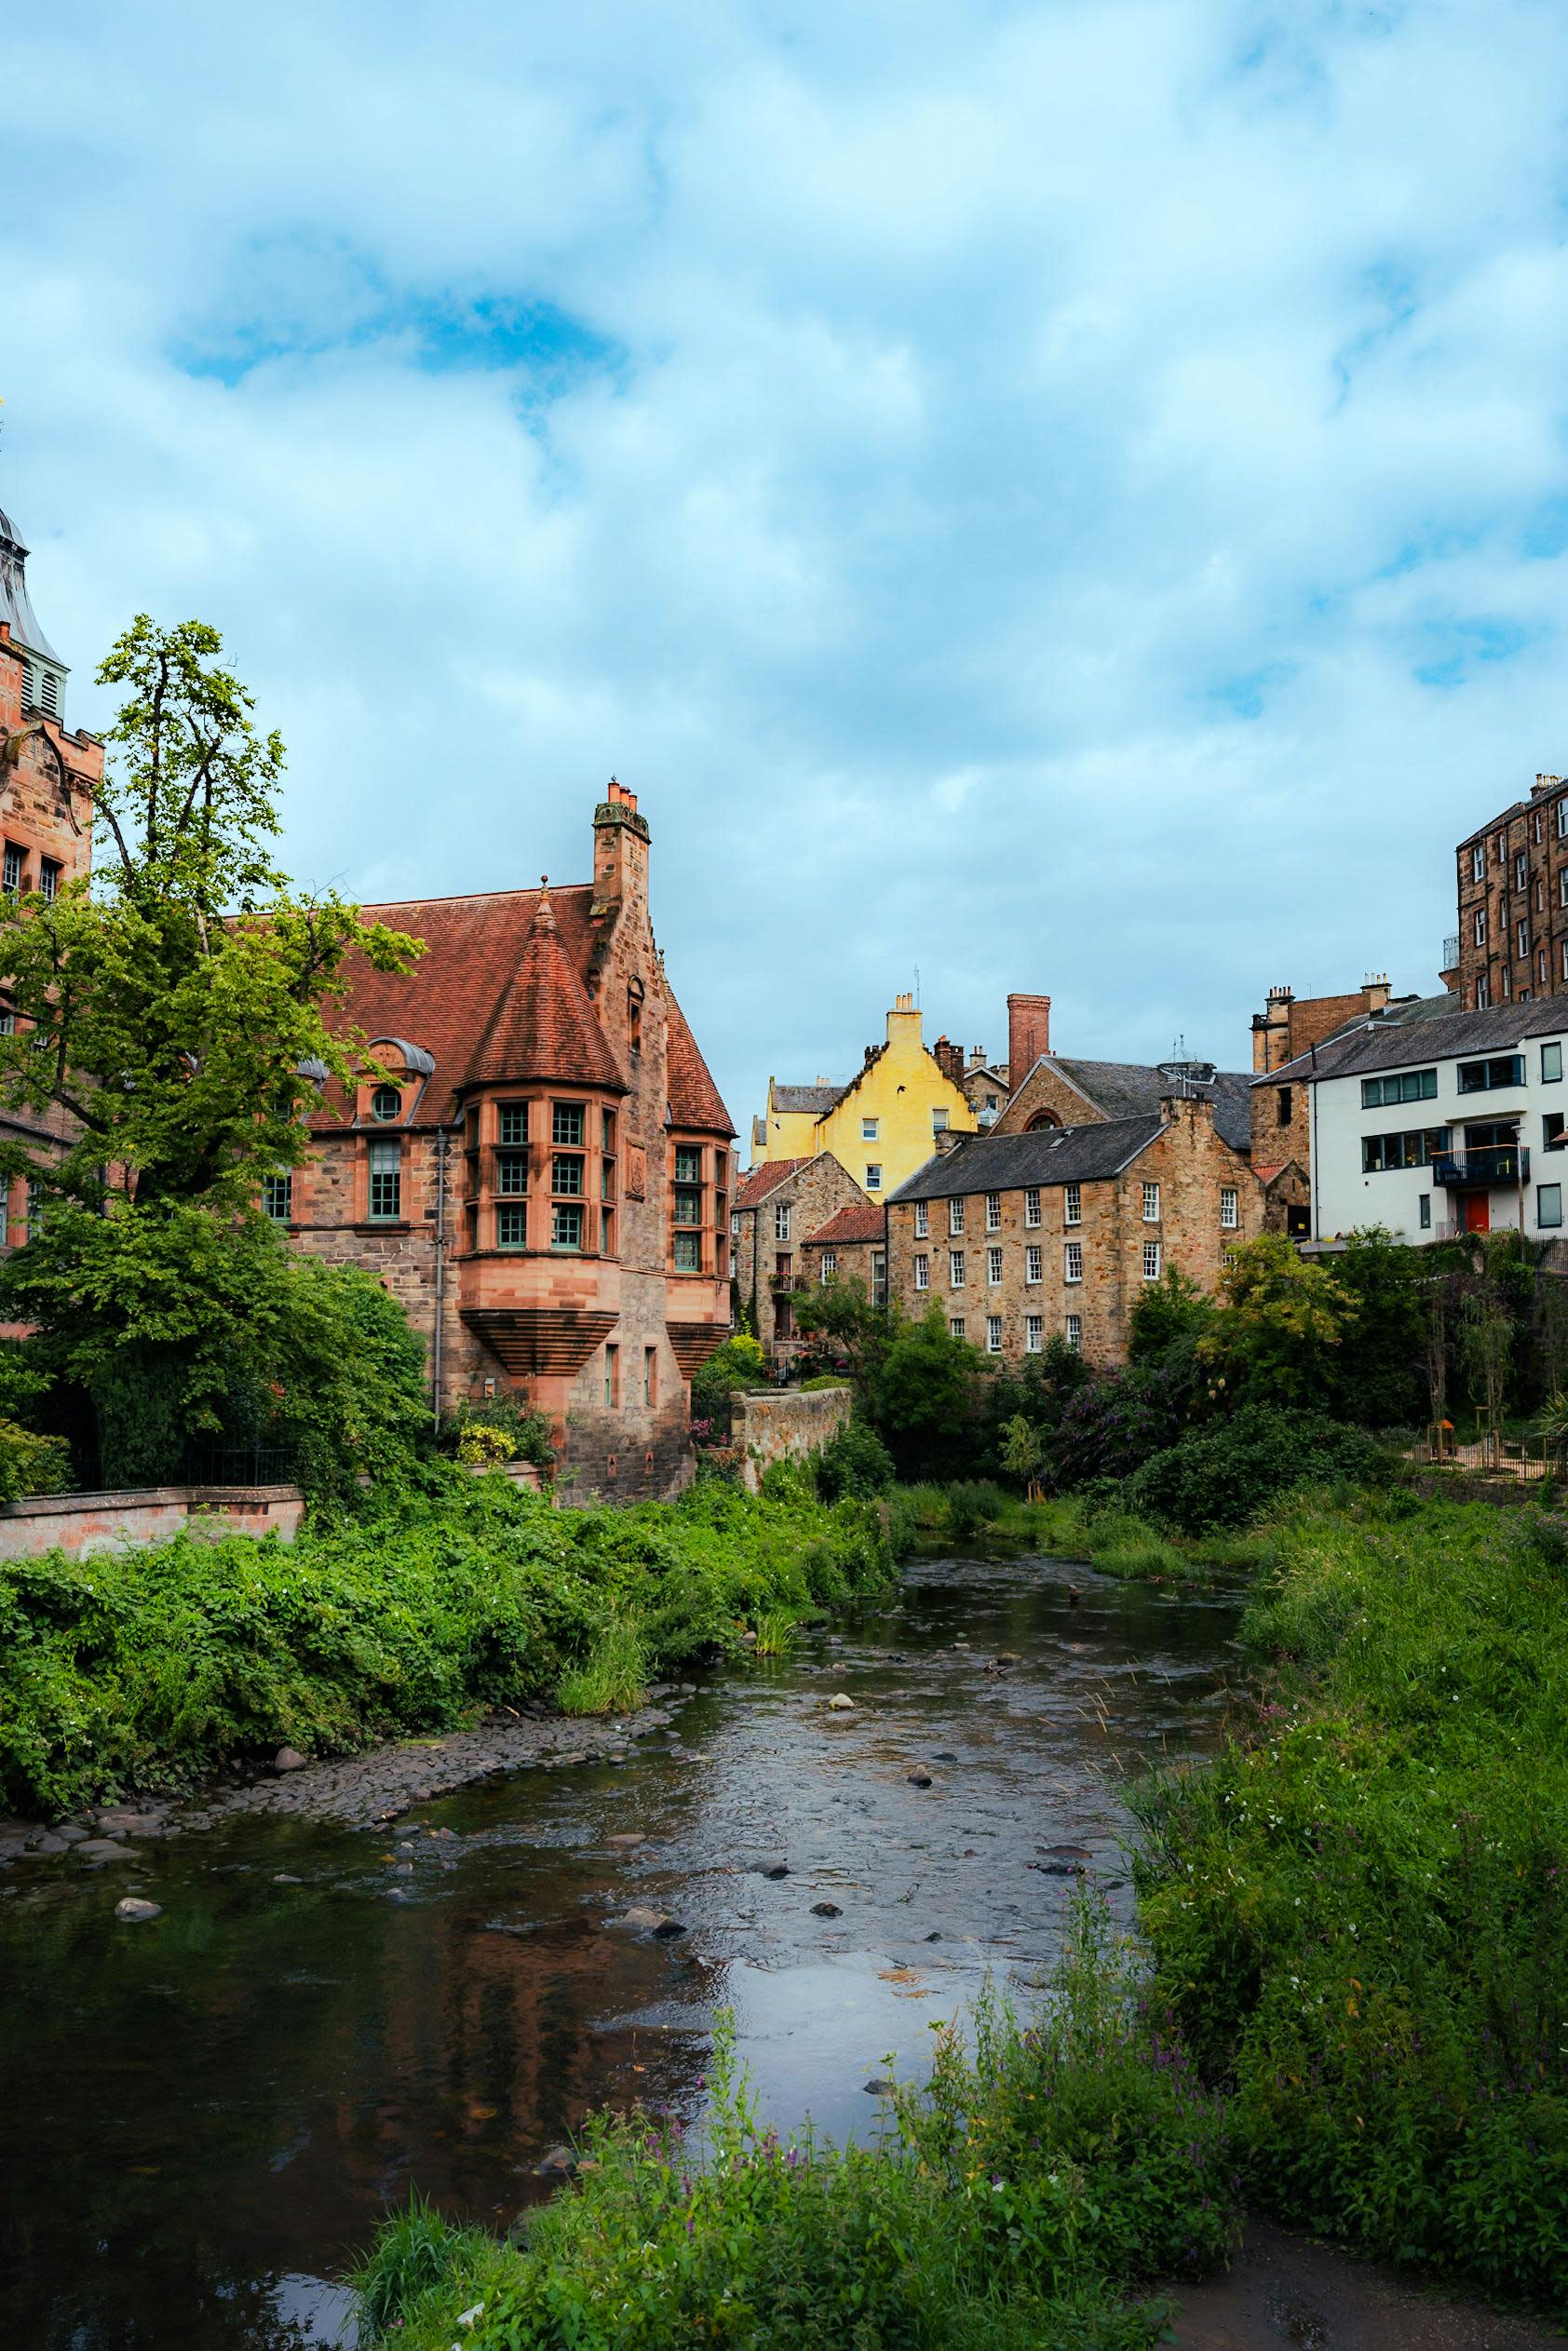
(854, 1460)
(1224, 1475)
(29, 1464)
(527, 1432)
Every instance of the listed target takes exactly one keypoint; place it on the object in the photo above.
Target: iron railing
(1494, 1163)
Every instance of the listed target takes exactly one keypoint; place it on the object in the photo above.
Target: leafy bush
(1225, 1473)
(526, 1430)
(738, 1363)
(29, 1464)
(854, 1460)
(1362, 1915)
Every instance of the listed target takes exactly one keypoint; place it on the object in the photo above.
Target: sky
(1069, 497)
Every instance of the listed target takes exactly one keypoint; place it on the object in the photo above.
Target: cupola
(43, 674)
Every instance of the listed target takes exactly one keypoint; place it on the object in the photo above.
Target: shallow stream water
(205, 2117)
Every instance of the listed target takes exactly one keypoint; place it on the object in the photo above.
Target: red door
(1478, 1212)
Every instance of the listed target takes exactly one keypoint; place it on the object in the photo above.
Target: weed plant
(1023, 2190)
(1360, 1912)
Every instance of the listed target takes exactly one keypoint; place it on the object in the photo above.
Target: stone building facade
(886, 1121)
(1057, 1230)
(852, 1245)
(49, 777)
(1512, 896)
(539, 1165)
(776, 1206)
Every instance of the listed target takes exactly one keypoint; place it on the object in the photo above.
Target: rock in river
(134, 1912)
(826, 1910)
(839, 1704)
(639, 1920)
(289, 1759)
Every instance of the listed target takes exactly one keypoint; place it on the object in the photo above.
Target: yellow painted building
(882, 1125)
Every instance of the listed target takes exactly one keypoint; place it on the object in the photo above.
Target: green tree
(1282, 1322)
(1167, 1312)
(1378, 1377)
(923, 1398)
(840, 1321)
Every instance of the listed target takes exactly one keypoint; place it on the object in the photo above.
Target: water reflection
(206, 2114)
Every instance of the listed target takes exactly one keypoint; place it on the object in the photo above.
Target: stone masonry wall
(83, 1523)
(786, 1427)
(812, 1195)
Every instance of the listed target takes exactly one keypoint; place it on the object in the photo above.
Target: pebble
(558, 2164)
(289, 1759)
(49, 1843)
(935, 1935)
(879, 2086)
(921, 1779)
(840, 1704)
(286, 1877)
(103, 1850)
(135, 1912)
(641, 1920)
(774, 1868)
(627, 1838)
(72, 1832)
(826, 1910)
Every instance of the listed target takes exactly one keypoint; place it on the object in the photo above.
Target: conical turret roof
(15, 605)
(543, 1026)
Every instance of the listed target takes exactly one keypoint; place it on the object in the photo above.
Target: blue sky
(1066, 497)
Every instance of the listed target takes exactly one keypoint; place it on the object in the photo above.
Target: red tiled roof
(758, 1182)
(465, 999)
(862, 1220)
(543, 1025)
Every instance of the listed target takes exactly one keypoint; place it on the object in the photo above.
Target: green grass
(1104, 1534)
(1040, 2177)
(150, 1667)
(1360, 1913)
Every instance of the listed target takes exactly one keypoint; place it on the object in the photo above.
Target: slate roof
(861, 1221)
(454, 1000)
(1428, 1029)
(757, 1183)
(15, 605)
(1133, 1089)
(814, 1102)
(1050, 1155)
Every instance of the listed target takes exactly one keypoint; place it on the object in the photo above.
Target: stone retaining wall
(87, 1522)
(785, 1427)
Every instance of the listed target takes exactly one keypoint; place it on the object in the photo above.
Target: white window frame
(873, 1175)
(955, 1217)
(957, 1272)
(868, 1129)
(1073, 1262)
(1481, 919)
(1032, 1216)
(1478, 861)
(1230, 1207)
(994, 1335)
(1562, 817)
(829, 1264)
(1151, 1204)
(1150, 1261)
(1034, 1263)
(993, 1211)
(781, 1223)
(1072, 1204)
(993, 1268)
(922, 1218)
(922, 1270)
(940, 1120)
(1075, 1334)
(955, 1324)
(1522, 934)
(1034, 1334)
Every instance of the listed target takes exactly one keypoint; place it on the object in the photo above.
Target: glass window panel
(511, 1225)
(513, 1123)
(566, 1173)
(688, 1165)
(566, 1122)
(688, 1252)
(511, 1172)
(566, 1226)
(688, 1204)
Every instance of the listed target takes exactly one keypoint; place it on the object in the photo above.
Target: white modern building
(1433, 1122)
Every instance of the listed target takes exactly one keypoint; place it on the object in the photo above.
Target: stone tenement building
(1513, 903)
(778, 1206)
(49, 777)
(1059, 1228)
(1288, 1027)
(542, 1177)
(852, 1245)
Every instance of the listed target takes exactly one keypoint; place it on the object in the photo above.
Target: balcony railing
(1495, 1163)
(1451, 952)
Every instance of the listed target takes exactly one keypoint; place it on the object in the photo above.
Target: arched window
(1041, 1120)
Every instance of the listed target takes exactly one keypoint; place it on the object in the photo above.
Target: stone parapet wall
(785, 1427)
(83, 1523)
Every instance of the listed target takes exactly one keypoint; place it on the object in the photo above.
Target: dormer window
(387, 1103)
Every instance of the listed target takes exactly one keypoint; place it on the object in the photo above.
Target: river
(206, 2114)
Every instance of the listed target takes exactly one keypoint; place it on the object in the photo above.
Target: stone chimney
(1374, 992)
(1543, 783)
(1029, 1035)
(1271, 1031)
(949, 1058)
(620, 852)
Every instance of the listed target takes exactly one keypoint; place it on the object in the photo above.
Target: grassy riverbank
(1097, 1528)
(153, 1666)
(1356, 2019)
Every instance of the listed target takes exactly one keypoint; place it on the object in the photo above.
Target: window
(781, 1224)
(1481, 924)
(688, 1204)
(634, 1016)
(49, 691)
(607, 1130)
(1403, 1086)
(993, 1211)
(48, 876)
(1150, 1261)
(1151, 1204)
(7, 1022)
(956, 1216)
(1551, 1130)
(511, 1225)
(873, 1175)
(607, 1239)
(1542, 973)
(4, 1216)
(1071, 1205)
(35, 1218)
(387, 1179)
(1228, 1217)
(650, 1375)
(1075, 1333)
(607, 1188)
(1563, 819)
(868, 1131)
(611, 1378)
(387, 1103)
(955, 1268)
(688, 1169)
(1073, 1262)
(993, 1266)
(955, 1324)
(1283, 1105)
(734, 1224)
(1483, 1077)
(1415, 1148)
(1034, 1263)
(1522, 936)
(1034, 1334)
(829, 1264)
(922, 1218)
(1483, 990)
(278, 1197)
(1562, 877)
(938, 1122)
(1478, 862)
(511, 1124)
(1424, 1211)
(10, 871)
(783, 1266)
(688, 1252)
(994, 1335)
(566, 1123)
(511, 1173)
(1032, 1205)
(1537, 825)
(566, 1224)
(922, 1270)
(1500, 846)
(1549, 1205)
(566, 1174)
(1522, 869)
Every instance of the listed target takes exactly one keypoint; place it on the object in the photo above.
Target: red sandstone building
(543, 1175)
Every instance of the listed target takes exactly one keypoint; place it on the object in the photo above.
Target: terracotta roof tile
(758, 1183)
(543, 1025)
(862, 1220)
(694, 1100)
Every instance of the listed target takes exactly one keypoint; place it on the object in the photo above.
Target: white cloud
(1068, 496)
